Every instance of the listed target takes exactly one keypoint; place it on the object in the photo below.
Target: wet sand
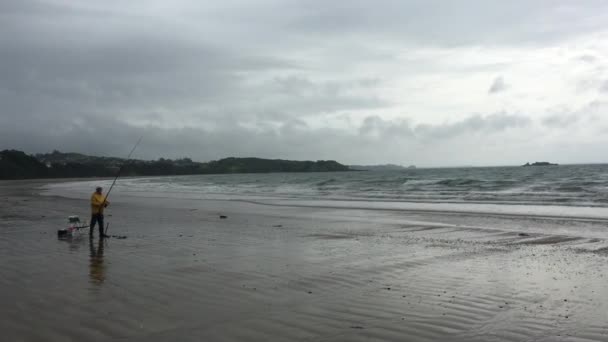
(280, 273)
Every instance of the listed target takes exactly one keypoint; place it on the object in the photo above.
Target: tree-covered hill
(19, 165)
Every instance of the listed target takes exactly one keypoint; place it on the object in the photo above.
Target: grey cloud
(588, 115)
(300, 96)
(561, 120)
(588, 84)
(498, 85)
(11, 8)
(499, 138)
(208, 79)
(294, 139)
(378, 128)
(88, 68)
(475, 124)
(587, 58)
(299, 85)
(428, 22)
(604, 87)
(116, 63)
(374, 126)
(436, 22)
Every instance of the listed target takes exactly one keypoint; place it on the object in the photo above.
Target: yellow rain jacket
(96, 203)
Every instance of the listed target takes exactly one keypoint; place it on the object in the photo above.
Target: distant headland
(540, 164)
(19, 165)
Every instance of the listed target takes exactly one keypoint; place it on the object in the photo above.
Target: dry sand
(296, 274)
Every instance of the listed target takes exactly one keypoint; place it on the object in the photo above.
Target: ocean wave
(460, 182)
(326, 182)
(562, 185)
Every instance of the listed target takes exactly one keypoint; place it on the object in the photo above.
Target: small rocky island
(540, 164)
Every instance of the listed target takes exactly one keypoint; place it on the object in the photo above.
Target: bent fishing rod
(118, 175)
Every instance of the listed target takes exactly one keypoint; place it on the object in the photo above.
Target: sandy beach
(287, 273)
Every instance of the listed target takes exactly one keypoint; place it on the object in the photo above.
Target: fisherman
(98, 203)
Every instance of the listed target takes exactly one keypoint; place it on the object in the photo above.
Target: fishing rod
(120, 169)
(118, 175)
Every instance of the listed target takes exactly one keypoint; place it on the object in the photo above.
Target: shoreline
(501, 210)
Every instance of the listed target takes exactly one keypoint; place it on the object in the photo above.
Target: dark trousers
(96, 218)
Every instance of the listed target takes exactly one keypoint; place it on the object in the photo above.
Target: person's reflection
(96, 267)
(74, 243)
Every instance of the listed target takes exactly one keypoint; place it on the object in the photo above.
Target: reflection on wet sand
(74, 244)
(96, 267)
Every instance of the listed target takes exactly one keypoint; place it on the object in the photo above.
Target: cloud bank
(393, 81)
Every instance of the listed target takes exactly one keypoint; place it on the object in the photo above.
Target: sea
(565, 190)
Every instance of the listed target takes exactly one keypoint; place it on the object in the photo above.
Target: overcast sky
(426, 82)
